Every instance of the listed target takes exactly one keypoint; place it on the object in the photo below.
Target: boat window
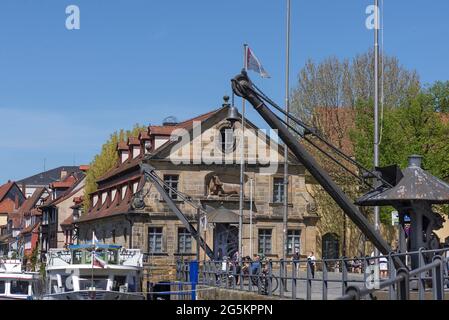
(99, 282)
(77, 257)
(112, 257)
(67, 283)
(119, 283)
(19, 287)
(2, 287)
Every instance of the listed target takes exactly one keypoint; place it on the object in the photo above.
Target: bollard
(193, 266)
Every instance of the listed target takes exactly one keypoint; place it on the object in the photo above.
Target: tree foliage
(412, 128)
(106, 159)
(335, 83)
(336, 97)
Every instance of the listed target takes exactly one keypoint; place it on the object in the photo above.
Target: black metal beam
(242, 87)
(148, 172)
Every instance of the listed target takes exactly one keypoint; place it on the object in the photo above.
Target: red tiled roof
(162, 130)
(133, 141)
(31, 202)
(128, 165)
(4, 189)
(66, 183)
(133, 164)
(117, 207)
(84, 167)
(122, 146)
(143, 135)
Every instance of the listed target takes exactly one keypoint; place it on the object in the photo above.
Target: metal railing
(342, 279)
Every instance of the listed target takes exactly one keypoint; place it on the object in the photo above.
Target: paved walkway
(334, 285)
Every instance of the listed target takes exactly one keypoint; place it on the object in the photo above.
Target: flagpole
(287, 110)
(92, 261)
(376, 107)
(242, 162)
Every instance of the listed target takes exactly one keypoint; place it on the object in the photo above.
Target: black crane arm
(150, 175)
(242, 87)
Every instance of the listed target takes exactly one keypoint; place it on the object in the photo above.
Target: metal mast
(242, 161)
(376, 105)
(287, 110)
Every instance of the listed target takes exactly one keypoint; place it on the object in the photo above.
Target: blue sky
(138, 61)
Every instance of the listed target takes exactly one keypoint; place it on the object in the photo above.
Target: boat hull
(94, 295)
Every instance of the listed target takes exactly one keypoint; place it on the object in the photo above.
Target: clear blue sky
(138, 61)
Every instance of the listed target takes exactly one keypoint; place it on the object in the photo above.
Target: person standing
(312, 260)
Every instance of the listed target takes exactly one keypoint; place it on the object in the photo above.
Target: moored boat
(94, 272)
(16, 284)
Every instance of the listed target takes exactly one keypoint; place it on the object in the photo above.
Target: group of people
(254, 266)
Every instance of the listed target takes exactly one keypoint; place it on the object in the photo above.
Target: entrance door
(226, 240)
(331, 246)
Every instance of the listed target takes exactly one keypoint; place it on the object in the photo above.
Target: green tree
(439, 93)
(106, 160)
(412, 128)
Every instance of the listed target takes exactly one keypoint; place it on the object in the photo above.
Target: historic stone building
(187, 157)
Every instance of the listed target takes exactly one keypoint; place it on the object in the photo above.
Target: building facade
(58, 208)
(186, 157)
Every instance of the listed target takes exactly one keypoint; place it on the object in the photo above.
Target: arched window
(227, 140)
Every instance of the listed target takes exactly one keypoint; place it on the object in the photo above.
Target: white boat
(16, 284)
(94, 272)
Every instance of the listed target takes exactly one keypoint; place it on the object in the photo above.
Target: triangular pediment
(203, 143)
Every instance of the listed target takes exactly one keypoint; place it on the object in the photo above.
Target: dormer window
(136, 151)
(123, 151)
(95, 200)
(124, 156)
(135, 185)
(113, 194)
(104, 195)
(124, 189)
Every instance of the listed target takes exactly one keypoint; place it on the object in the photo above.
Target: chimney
(414, 161)
(63, 174)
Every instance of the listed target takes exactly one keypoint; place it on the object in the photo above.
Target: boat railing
(64, 257)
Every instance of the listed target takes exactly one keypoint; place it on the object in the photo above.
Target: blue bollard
(193, 277)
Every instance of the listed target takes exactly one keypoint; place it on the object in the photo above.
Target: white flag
(254, 64)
